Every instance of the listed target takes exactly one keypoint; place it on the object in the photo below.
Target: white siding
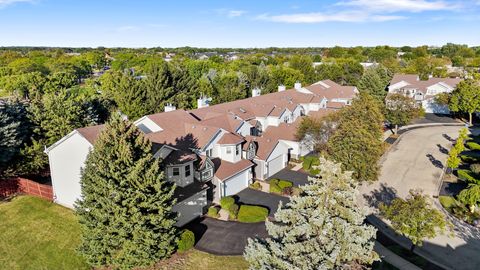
(182, 179)
(244, 129)
(297, 149)
(431, 106)
(66, 160)
(233, 156)
(190, 208)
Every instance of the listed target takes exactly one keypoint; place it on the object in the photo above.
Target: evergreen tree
(126, 207)
(15, 131)
(322, 228)
(357, 142)
(373, 84)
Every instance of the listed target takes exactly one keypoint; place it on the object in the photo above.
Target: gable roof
(91, 133)
(225, 169)
(414, 82)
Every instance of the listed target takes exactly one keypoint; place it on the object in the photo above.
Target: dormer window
(237, 150)
(187, 171)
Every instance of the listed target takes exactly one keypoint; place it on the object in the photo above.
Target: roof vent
(298, 85)
(205, 128)
(242, 110)
(281, 88)
(169, 107)
(256, 92)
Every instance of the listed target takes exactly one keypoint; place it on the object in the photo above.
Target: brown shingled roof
(91, 133)
(230, 138)
(422, 85)
(225, 169)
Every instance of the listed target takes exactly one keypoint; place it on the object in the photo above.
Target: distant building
(423, 92)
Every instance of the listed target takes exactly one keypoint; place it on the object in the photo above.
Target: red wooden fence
(12, 186)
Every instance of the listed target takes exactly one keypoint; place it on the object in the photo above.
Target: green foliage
(15, 131)
(473, 145)
(400, 110)
(310, 161)
(226, 202)
(470, 195)
(357, 141)
(466, 98)
(415, 218)
(374, 82)
(279, 186)
(325, 212)
(252, 213)
(453, 160)
(256, 185)
(274, 188)
(447, 201)
(233, 211)
(185, 241)
(126, 206)
(284, 184)
(212, 212)
(468, 176)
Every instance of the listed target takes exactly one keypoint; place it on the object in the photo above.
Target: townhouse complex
(212, 151)
(423, 91)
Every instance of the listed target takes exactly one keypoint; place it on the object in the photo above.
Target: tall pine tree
(126, 205)
(322, 228)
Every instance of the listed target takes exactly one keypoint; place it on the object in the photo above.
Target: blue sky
(235, 23)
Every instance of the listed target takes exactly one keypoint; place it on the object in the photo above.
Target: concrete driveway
(416, 162)
(224, 237)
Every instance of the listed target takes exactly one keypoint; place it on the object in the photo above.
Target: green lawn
(37, 234)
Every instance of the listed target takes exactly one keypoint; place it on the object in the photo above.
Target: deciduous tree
(415, 218)
(466, 98)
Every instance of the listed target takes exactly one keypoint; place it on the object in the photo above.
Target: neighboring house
(423, 91)
(213, 151)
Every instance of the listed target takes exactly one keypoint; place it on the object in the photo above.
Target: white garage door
(275, 165)
(190, 209)
(236, 184)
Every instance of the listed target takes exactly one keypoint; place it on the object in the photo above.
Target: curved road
(416, 162)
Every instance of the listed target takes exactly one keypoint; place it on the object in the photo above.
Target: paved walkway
(416, 161)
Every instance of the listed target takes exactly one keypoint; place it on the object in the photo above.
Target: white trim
(64, 138)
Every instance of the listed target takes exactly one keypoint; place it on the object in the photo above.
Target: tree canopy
(125, 210)
(322, 228)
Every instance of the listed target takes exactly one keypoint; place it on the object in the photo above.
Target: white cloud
(318, 17)
(399, 5)
(235, 13)
(4, 3)
(230, 13)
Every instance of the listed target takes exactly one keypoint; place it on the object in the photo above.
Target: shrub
(252, 213)
(274, 187)
(469, 159)
(212, 212)
(233, 211)
(256, 185)
(310, 161)
(475, 168)
(284, 184)
(185, 241)
(226, 202)
(473, 145)
(447, 202)
(467, 175)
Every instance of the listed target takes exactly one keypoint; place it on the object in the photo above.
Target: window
(206, 174)
(229, 150)
(176, 171)
(187, 170)
(237, 150)
(209, 152)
